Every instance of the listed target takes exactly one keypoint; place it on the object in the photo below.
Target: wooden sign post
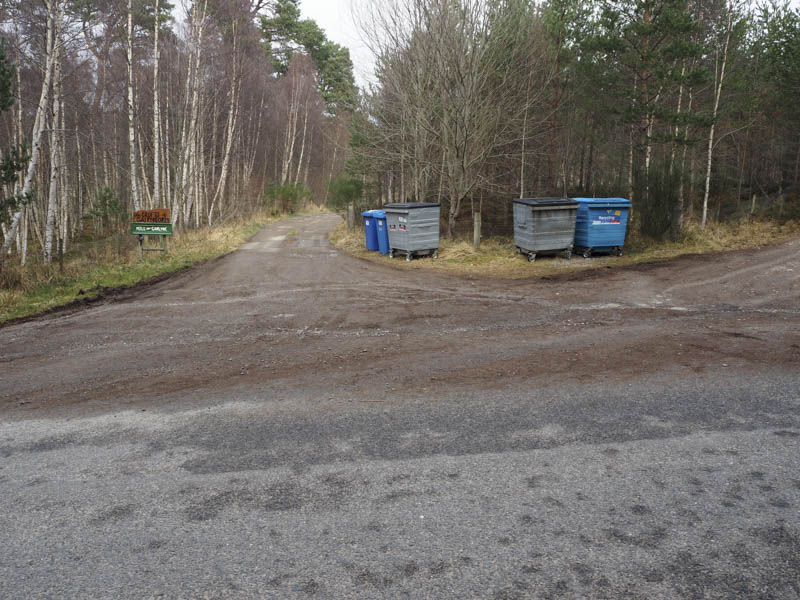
(154, 222)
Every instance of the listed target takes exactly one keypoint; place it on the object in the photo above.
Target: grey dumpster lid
(405, 205)
(546, 201)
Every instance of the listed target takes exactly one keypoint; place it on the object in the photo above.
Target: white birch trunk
(291, 130)
(308, 159)
(677, 125)
(19, 133)
(630, 164)
(230, 128)
(135, 198)
(402, 161)
(182, 166)
(167, 160)
(53, 26)
(23, 234)
(156, 117)
(79, 175)
(250, 164)
(188, 178)
(24, 242)
(199, 173)
(302, 144)
(717, 94)
(55, 163)
(145, 184)
(67, 221)
(681, 185)
(104, 158)
(522, 155)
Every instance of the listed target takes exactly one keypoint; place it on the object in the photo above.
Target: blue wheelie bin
(383, 231)
(601, 225)
(370, 230)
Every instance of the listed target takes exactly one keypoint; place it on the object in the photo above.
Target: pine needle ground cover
(92, 269)
(497, 257)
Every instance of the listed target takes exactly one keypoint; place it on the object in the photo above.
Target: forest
(688, 108)
(218, 109)
(112, 106)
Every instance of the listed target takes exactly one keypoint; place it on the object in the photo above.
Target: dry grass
(92, 267)
(95, 266)
(497, 257)
(717, 237)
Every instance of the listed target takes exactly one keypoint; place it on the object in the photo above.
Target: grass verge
(97, 267)
(497, 257)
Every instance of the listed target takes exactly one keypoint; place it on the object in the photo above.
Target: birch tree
(189, 141)
(55, 12)
(454, 90)
(230, 129)
(721, 62)
(156, 111)
(55, 153)
(134, 169)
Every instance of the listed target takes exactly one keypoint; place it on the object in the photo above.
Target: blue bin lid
(378, 214)
(367, 213)
(600, 202)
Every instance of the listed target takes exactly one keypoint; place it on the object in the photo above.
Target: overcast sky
(335, 17)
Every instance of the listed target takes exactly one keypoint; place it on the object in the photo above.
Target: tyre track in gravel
(287, 311)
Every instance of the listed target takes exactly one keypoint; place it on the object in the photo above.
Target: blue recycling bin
(383, 231)
(601, 225)
(370, 230)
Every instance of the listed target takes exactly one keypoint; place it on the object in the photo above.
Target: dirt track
(290, 313)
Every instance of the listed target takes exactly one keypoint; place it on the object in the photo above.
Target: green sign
(151, 228)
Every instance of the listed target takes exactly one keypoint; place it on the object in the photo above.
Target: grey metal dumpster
(413, 228)
(544, 226)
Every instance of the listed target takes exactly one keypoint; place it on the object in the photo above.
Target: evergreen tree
(13, 160)
(285, 33)
(652, 43)
(778, 49)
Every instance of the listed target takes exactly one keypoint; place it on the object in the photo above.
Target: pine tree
(13, 160)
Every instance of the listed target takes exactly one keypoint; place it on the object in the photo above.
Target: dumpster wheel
(435, 254)
(619, 251)
(409, 256)
(532, 257)
(587, 252)
(391, 252)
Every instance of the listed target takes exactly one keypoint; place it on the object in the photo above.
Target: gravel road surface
(289, 422)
